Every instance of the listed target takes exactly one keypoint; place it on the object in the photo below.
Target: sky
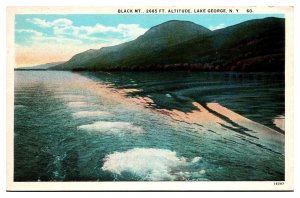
(46, 38)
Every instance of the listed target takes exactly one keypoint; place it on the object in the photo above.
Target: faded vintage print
(151, 94)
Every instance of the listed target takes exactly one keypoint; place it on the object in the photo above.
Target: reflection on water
(279, 122)
(136, 126)
(258, 96)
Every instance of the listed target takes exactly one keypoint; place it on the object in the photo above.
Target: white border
(88, 187)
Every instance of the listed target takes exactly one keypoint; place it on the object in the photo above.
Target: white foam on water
(77, 104)
(196, 159)
(202, 172)
(83, 114)
(70, 97)
(19, 106)
(111, 127)
(148, 163)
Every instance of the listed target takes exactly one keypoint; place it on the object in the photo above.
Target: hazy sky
(49, 38)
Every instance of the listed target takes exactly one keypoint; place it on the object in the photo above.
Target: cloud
(65, 27)
(220, 26)
(47, 24)
(36, 37)
(131, 30)
(39, 22)
(62, 22)
(122, 31)
(29, 31)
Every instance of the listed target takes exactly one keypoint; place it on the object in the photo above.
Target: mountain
(129, 54)
(41, 67)
(255, 45)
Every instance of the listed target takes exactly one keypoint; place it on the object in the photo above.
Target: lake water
(99, 126)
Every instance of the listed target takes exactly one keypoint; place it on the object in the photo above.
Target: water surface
(148, 126)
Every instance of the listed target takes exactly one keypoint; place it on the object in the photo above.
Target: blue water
(96, 127)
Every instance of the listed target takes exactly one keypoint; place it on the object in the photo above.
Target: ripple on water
(77, 104)
(83, 114)
(71, 97)
(19, 106)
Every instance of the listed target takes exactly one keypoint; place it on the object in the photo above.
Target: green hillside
(255, 45)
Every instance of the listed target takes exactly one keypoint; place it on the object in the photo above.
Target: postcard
(150, 98)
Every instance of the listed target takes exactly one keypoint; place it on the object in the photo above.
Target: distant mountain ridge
(41, 66)
(255, 45)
